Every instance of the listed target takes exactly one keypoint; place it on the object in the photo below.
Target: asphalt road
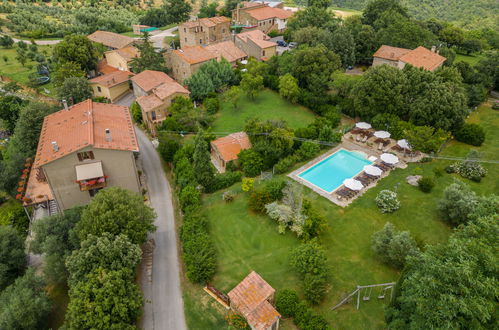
(164, 308)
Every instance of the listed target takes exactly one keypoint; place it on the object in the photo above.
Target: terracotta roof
(250, 298)
(207, 22)
(128, 53)
(194, 54)
(149, 79)
(231, 145)
(422, 57)
(112, 79)
(169, 88)
(258, 37)
(269, 12)
(105, 68)
(111, 39)
(227, 50)
(390, 53)
(84, 125)
(149, 102)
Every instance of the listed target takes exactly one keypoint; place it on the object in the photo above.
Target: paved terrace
(370, 149)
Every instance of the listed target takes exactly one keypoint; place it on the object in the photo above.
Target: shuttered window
(85, 155)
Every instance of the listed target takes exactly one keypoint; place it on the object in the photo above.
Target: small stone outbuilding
(226, 149)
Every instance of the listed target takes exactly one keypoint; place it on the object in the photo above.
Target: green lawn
(246, 241)
(470, 59)
(15, 71)
(268, 105)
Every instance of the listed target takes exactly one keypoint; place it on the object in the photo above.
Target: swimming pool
(330, 172)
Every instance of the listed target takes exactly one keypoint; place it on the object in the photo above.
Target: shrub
(199, 258)
(3, 197)
(285, 164)
(387, 201)
(314, 287)
(309, 258)
(212, 105)
(247, 184)
(438, 172)
(231, 166)
(224, 180)
(251, 162)
(271, 191)
(469, 169)
(228, 196)
(392, 247)
(307, 319)
(189, 196)
(136, 112)
(426, 184)
(471, 134)
(307, 150)
(286, 302)
(167, 148)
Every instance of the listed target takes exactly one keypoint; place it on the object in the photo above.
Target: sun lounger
(359, 137)
(380, 146)
(364, 139)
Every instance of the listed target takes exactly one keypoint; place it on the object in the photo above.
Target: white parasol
(372, 170)
(382, 134)
(404, 144)
(353, 184)
(389, 158)
(363, 125)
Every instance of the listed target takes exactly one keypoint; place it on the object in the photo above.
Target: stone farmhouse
(261, 16)
(204, 31)
(227, 50)
(253, 298)
(155, 92)
(256, 44)
(121, 58)
(226, 149)
(112, 86)
(83, 149)
(420, 57)
(186, 61)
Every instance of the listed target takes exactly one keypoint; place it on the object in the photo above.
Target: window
(263, 52)
(201, 29)
(200, 41)
(185, 30)
(185, 39)
(153, 115)
(99, 89)
(85, 155)
(223, 30)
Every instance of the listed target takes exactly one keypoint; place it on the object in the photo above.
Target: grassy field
(470, 59)
(247, 241)
(268, 105)
(12, 69)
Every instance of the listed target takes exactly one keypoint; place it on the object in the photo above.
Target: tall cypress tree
(204, 172)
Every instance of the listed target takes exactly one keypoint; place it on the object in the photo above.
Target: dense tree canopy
(25, 305)
(78, 49)
(452, 285)
(12, 256)
(149, 59)
(75, 90)
(117, 211)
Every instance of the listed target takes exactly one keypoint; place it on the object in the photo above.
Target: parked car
(282, 43)
(292, 44)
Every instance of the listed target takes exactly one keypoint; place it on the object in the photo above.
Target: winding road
(163, 308)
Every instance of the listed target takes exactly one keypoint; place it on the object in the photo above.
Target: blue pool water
(330, 172)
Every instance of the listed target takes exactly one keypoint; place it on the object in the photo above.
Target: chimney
(233, 36)
(65, 104)
(55, 147)
(433, 49)
(109, 138)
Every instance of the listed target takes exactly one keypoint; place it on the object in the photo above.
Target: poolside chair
(358, 138)
(364, 139)
(380, 146)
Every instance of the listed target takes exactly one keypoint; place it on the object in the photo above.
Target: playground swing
(366, 298)
(382, 292)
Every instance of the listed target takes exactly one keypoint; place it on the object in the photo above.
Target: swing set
(367, 291)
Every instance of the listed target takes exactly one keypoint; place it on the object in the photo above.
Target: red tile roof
(194, 54)
(250, 298)
(258, 37)
(159, 94)
(227, 50)
(105, 68)
(390, 53)
(112, 79)
(207, 22)
(266, 12)
(128, 53)
(422, 57)
(149, 102)
(149, 79)
(84, 125)
(111, 39)
(231, 145)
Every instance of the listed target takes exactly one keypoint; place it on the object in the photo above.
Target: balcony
(90, 176)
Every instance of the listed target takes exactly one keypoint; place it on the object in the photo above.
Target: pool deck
(350, 145)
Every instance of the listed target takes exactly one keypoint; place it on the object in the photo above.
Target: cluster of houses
(89, 146)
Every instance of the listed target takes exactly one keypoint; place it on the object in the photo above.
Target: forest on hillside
(467, 13)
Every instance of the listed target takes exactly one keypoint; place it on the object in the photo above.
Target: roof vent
(109, 138)
(55, 146)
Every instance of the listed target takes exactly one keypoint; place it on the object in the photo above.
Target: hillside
(467, 13)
